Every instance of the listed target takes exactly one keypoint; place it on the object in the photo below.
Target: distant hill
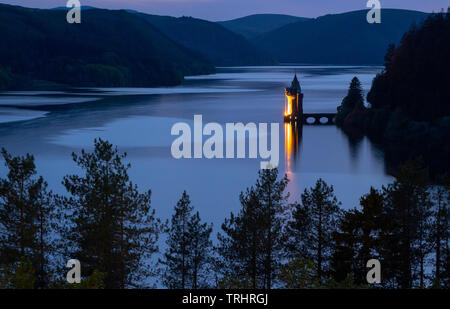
(339, 39)
(87, 7)
(255, 25)
(83, 7)
(109, 48)
(210, 40)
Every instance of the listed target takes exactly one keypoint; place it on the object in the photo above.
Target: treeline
(409, 109)
(106, 223)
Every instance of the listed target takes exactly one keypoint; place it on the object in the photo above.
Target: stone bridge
(330, 117)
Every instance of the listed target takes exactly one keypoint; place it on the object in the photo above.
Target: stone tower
(293, 102)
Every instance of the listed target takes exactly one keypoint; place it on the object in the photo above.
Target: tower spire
(295, 84)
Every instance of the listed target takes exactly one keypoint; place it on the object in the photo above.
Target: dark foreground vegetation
(106, 223)
(409, 112)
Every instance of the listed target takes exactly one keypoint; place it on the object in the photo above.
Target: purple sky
(228, 9)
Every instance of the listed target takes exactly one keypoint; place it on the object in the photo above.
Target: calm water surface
(52, 125)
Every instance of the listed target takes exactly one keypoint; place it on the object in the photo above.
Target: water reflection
(355, 141)
(292, 141)
(138, 121)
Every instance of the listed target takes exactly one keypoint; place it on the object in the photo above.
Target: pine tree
(299, 273)
(422, 244)
(440, 234)
(200, 246)
(406, 244)
(346, 240)
(241, 244)
(189, 246)
(25, 218)
(176, 274)
(253, 242)
(107, 224)
(298, 230)
(18, 275)
(357, 240)
(323, 212)
(354, 101)
(273, 201)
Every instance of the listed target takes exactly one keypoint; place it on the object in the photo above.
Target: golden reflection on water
(292, 140)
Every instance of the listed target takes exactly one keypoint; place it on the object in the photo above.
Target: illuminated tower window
(293, 102)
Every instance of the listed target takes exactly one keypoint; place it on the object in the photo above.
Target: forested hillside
(339, 38)
(109, 48)
(210, 40)
(257, 24)
(410, 104)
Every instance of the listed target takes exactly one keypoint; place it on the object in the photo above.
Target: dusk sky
(228, 9)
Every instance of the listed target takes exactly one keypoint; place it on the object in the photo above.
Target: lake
(53, 124)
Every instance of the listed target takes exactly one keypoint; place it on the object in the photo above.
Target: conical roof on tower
(296, 84)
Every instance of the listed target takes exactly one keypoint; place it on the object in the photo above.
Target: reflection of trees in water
(355, 140)
(355, 144)
(292, 140)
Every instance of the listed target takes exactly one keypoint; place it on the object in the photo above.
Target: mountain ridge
(253, 25)
(345, 38)
(210, 40)
(109, 48)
